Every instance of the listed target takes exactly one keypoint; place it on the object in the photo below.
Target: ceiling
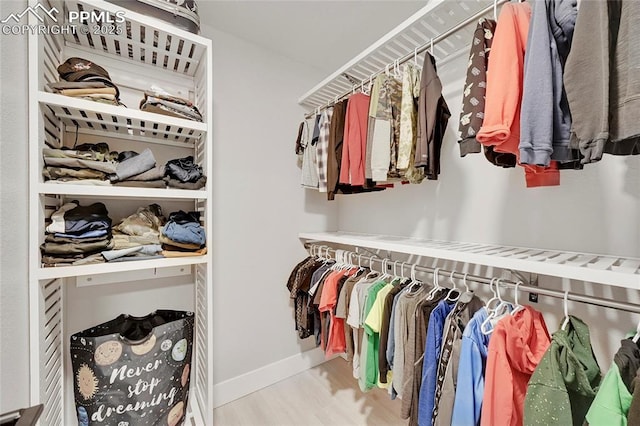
(322, 34)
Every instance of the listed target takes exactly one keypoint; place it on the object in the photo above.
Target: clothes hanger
(495, 10)
(371, 273)
(415, 57)
(637, 335)
(494, 298)
(566, 310)
(453, 290)
(494, 316)
(518, 307)
(436, 284)
(414, 281)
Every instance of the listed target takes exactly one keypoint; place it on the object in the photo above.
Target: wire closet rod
(558, 294)
(420, 49)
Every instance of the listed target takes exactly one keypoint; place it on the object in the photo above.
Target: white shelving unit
(602, 269)
(148, 51)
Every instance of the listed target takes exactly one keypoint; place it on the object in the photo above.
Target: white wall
(259, 206)
(593, 210)
(14, 362)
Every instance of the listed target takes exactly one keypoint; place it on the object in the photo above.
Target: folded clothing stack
(84, 79)
(183, 235)
(76, 235)
(87, 163)
(183, 173)
(95, 164)
(137, 237)
(163, 103)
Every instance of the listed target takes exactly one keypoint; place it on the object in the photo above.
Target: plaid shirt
(323, 148)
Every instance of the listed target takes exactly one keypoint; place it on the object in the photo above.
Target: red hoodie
(505, 74)
(516, 347)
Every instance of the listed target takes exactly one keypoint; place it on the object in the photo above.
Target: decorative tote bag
(133, 371)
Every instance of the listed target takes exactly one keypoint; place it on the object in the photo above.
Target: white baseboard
(237, 387)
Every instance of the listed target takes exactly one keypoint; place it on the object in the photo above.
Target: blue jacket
(471, 367)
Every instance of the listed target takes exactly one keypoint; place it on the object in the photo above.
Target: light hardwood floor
(324, 395)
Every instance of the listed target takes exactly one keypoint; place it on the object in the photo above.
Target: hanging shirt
(546, 120)
(433, 116)
(409, 125)
(367, 378)
(371, 123)
(336, 138)
(601, 79)
(471, 368)
(613, 400)
(568, 375)
(406, 306)
(466, 306)
(430, 361)
(355, 140)
(335, 342)
(387, 309)
(310, 160)
(342, 308)
(501, 125)
(355, 321)
(414, 354)
(386, 129)
(475, 87)
(517, 344)
(323, 148)
(372, 326)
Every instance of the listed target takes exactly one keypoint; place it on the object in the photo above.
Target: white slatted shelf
(436, 18)
(611, 270)
(120, 191)
(106, 268)
(142, 39)
(99, 118)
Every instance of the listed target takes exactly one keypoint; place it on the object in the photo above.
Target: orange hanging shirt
(505, 75)
(517, 345)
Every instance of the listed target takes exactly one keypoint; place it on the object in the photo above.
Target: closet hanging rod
(558, 294)
(420, 49)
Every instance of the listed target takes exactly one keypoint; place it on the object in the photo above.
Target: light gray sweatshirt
(602, 79)
(545, 120)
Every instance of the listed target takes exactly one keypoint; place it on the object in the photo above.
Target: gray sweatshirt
(545, 120)
(602, 79)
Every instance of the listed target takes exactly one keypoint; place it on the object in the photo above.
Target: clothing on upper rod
(392, 136)
(533, 113)
(437, 354)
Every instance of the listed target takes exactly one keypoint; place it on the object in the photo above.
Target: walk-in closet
(320, 212)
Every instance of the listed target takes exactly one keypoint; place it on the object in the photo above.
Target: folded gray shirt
(134, 166)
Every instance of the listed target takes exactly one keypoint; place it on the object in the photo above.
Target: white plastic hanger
(415, 57)
(494, 298)
(454, 294)
(518, 307)
(494, 315)
(371, 273)
(464, 283)
(495, 10)
(436, 284)
(566, 310)
(637, 336)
